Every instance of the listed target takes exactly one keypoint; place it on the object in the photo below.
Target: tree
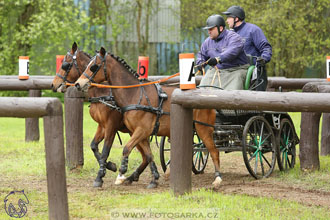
(39, 29)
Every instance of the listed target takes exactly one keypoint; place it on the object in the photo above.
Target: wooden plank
(252, 100)
(21, 85)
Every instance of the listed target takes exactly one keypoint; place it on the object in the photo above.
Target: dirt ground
(236, 180)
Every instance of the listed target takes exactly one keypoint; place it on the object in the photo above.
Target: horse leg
(98, 137)
(136, 138)
(153, 168)
(206, 134)
(109, 138)
(136, 174)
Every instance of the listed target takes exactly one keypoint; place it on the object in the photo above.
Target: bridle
(67, 66)
(95, 68)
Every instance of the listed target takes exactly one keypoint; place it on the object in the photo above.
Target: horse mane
(89, 56)
(124, 63)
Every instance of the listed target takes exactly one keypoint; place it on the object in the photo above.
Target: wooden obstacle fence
(51, 111)
(183, 102)
(74, 108)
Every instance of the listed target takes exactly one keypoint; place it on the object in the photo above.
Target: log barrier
(51, 111)
(182, 103)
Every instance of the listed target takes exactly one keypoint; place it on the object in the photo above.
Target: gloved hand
(200, 68)
(214, 61)
(261, 61)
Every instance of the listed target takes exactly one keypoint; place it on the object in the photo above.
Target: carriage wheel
(200, 155)
(259, 147)
(286, 157)
(165, 153)
(199, 159)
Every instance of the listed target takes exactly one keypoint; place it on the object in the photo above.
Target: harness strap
(144, 108)
(103, 98)
(202, 123)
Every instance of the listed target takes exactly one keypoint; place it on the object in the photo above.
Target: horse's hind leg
(136, 174)
(102, 161)
(206, 134)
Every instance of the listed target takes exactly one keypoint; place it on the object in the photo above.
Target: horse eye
(94, 68)
(65, 66)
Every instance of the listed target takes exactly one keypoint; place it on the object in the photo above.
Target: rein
(133, 86)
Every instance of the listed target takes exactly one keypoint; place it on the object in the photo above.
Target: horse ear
(74, 47)
(102, 51)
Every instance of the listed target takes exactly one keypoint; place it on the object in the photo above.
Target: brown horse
(142, 122)
(109, 121)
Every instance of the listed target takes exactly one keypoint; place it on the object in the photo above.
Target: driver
(223, 51)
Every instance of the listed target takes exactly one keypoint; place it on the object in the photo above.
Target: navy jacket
(255, 42)
(229, 46)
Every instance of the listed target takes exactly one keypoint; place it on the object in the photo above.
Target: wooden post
(309, 141)
(181, 149)
(55, 164)
(309, 136)
(32, 124)
(74, 103)
(325, 134)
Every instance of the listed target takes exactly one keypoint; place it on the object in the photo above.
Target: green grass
(22, 166)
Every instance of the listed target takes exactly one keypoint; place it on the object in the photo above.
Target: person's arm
(201, 56)
(261, 43)
(235, 47)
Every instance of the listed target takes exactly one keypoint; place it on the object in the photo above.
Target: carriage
(262, 136)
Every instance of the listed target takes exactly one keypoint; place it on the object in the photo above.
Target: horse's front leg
(136, 174)
(108, 141)
(137, 137)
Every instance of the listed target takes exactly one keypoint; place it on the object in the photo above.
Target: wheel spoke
(261, 133)
(256, 164)
(261, 163)
(266, 161)
(253, 155)
(269, 135)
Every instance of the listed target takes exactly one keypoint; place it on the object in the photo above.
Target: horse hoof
(128, 181)
(97, 184)
(152, 185)
(216, 183)
(120, 179)
(111, 166)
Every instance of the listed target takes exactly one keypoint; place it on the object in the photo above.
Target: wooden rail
(51, 111)
(181, 112)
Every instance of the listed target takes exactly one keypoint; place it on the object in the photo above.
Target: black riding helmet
(215, 21)
(235, 11)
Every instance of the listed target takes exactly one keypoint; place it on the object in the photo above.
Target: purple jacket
(228, 46)
(255, 42)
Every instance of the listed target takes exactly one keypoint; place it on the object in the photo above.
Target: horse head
(73, 64)
(95, 71)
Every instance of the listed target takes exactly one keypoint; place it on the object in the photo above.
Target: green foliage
(41, 30)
